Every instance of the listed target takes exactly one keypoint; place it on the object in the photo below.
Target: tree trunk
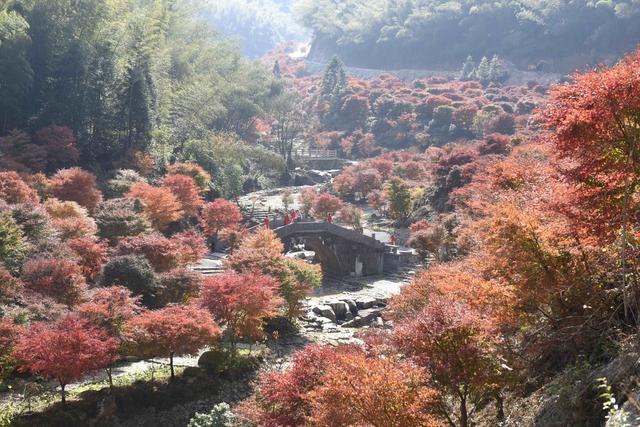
(499, 407)
(464, 416)
(171, 365)
(62, 394)
(110, 376)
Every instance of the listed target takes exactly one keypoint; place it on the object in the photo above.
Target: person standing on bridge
(293, 216)
(330, 219)
(287, 219)
(266, 222)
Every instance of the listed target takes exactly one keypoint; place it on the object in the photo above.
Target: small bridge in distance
(308, 155)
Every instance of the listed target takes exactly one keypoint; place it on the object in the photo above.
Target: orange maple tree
(161, 207)
(75, 185)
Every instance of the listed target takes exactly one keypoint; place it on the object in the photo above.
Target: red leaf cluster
(65, 350)
(218, 215)
(241, 302)
(14, 190)
(75, 185)
(58, 278)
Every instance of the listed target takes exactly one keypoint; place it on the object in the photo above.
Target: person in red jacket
(266, 222)
(330, 219)
(287, 219)
(293, 216)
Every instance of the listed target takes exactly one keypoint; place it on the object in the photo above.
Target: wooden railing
(317, 154)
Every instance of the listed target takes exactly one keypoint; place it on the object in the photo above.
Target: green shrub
(219, 416)
(13, 247)
(133, 272)
(118, 218)
(178, 285)
(215, 361)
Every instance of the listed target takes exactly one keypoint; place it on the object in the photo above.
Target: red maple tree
(65, 350)
(378, 392)
(14, 190)
(171, 331)
(241, 302)
(218, 215)
(60, 145)
(186, 191)
(161, 207)
(75, 185)
(91, 255)
(58, 278)
(326, 204)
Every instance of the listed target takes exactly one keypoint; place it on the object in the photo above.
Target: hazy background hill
(556, 35)
(259, 25)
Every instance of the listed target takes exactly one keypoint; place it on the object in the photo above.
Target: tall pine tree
(333, 92)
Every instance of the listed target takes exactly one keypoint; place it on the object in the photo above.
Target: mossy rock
(215, 361)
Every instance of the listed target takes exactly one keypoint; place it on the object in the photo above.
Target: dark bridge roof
(316, 228)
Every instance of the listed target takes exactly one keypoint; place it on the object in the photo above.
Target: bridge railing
(317, 154)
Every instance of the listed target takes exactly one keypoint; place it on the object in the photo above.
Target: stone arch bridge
(341, 251)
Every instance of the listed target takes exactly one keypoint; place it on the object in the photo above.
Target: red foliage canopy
(110, 308)
(186, 191)
(379, 392)
(595, 122)
(174, 330)
(326, 204)
(76, 185)
(199, 175)
(241, 301)
(60, 145)
(65, 350)
(14, 190)
(161, 207)
(91, 255)
(283, 396)
(162, 253)
(58, 278)
(9, 286)
(218, 215)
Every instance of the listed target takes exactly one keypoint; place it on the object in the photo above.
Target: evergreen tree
(399, 199)
(482, 73)
(497, 73)
(468, 69)
(277, 73)
(333, 91)
(334, 81)
(16, 75)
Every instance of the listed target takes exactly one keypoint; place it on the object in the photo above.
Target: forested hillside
(189, 237)
(124, 77)
(392, 34)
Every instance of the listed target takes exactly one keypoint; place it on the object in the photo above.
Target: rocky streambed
(342, 307)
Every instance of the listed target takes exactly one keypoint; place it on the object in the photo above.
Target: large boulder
(214, 361)
(325, 311)
(364, 303)
(364, 318)
(340, 308)
(353, 307)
